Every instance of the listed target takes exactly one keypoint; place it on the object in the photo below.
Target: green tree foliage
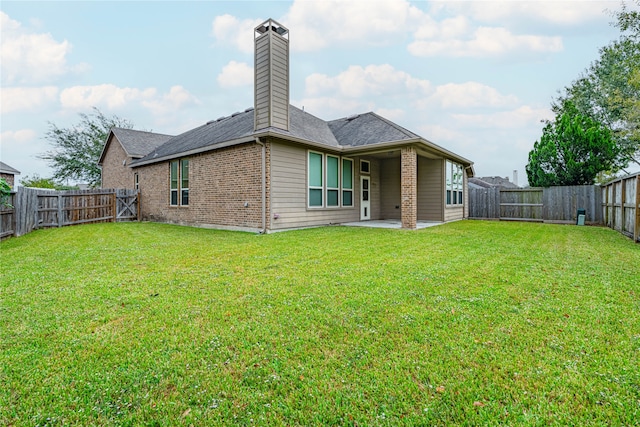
(77, 149)
(572, 151)
(36, 181)
(5, 193)
(609, 90)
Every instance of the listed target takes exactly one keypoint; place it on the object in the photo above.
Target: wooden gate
(39, 208)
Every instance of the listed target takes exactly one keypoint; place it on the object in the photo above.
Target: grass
(470, 323)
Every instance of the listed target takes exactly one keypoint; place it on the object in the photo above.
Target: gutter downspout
(264, 186)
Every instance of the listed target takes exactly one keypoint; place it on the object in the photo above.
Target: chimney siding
(271, 69)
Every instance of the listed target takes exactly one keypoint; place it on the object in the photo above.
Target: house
(122, 147)
(275, 166)
(492, 182)
(8, 174)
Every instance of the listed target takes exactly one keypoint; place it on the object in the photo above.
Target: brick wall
(9, 178)
(409, 187)
(220, 184)
(114, 173)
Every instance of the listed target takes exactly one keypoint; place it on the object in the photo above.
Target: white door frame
(365, 205)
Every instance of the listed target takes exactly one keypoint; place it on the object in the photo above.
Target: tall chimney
(271, 81)
(515, 176)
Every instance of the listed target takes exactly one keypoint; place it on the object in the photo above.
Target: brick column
(409, 187)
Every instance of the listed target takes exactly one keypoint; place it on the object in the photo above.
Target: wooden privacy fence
(552, 204)
(7, 218)
(620, 205)
(37, 208)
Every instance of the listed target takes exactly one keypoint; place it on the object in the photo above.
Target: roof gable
(138, 143)
(5, 168)
(367, 129)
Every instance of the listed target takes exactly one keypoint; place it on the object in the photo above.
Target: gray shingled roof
(224, 129)
(353, 131)
(366, 129)
(139, 143)
(5, 168)
(305, 126)
(493, 181)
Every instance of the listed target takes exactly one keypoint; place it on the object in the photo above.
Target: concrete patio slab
(390, 223)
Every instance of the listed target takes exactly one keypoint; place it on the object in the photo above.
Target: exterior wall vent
(271, 78)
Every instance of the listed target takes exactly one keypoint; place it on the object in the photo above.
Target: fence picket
(38, 208)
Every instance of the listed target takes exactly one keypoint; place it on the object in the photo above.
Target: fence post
(623, 198)
(138, 204)
(59, 210)
(114, 202)
(636, 231)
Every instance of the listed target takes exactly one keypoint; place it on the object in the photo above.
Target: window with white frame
(333, 181)
(316, 179)
(179, 182)
(330, 181)
(454, 183)
(347, 182)
(136, 181)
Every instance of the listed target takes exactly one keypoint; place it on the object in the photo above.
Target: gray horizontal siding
(453, 213)
(430, 189)
(289, 192)
(389, 188)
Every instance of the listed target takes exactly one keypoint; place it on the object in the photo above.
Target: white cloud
(17, 136)
(229, 30)
(321, 24)
(486, 41)
(470, 95)
(522, 117)
(236, 74)
(566, 12)
(173, 101)
(28, 57)
(26, 98)
(109, 95)
(318, 24)
(359, 81)
(81, 98)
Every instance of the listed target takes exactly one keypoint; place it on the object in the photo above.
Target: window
(179, 182)
(136, 181)
(330, 181)
(315, 179)
(174, 183)
(364, 166)
(333, 178)
(184, 186)
(454, 183)
(347, 182)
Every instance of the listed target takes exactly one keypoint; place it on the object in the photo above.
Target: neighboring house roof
(5, 168)
(351, 133)
(491, 181)
(136, 143)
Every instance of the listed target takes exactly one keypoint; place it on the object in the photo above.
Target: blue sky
(474, 77)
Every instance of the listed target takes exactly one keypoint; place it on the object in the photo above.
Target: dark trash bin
(580, 218)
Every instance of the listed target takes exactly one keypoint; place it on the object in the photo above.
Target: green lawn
(470, 323)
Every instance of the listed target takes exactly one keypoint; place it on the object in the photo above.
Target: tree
(77, 149)
(36, 181)
(609, 90)
(572, 150)
(5, 194)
